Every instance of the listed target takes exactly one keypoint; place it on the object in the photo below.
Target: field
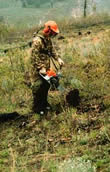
(29, 17)
(75, 134)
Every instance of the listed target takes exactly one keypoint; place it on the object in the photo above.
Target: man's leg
(40, 93)
(45, 88)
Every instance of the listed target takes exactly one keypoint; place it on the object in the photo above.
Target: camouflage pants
(40, 92)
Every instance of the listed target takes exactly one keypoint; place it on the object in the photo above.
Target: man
(43, 59)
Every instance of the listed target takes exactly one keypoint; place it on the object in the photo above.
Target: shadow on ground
(6, 117)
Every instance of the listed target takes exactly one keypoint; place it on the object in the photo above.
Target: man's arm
(57, 56)
(37, 60)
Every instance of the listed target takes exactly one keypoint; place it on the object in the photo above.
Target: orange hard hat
(53, 26)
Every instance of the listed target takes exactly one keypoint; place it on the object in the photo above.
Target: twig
(20, 142)
(48, 156)
(13, 159)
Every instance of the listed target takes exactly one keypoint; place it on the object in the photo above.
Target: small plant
(76, 165)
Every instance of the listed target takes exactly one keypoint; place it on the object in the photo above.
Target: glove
(43, 71)
(60, 61)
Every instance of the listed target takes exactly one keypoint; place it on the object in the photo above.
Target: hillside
(72, 136)
(12, 11)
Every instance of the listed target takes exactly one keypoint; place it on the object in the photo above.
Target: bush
(3, 30)
(76, 165)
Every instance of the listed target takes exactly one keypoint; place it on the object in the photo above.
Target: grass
(68, 138)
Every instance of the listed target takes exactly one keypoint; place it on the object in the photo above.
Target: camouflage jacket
(42, 55)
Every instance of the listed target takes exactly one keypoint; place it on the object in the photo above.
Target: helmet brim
(56, 30)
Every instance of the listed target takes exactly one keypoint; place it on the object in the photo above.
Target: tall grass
(66, 25)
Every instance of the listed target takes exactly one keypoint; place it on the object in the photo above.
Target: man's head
(51, 28)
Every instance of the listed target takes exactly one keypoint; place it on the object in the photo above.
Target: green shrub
(76, 165)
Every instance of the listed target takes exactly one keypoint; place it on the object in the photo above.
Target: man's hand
(60, 61)
(43, 71)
